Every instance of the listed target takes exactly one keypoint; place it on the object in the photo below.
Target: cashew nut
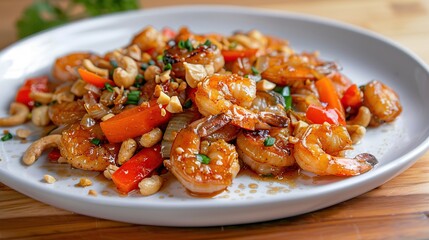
(40, 116)
(128, 147)
(135, 52)
(356, 132)
(151, 72)
(151, 138)
(125, 75)
(245, 41)
(41, 97)
(19, 113)
(194, 73)
(362, 118)
(150, 185)
(92, 68)
(36, 148)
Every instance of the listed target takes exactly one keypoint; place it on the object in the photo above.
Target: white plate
(363, 55)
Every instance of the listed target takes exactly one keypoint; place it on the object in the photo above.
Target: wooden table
(398, 209)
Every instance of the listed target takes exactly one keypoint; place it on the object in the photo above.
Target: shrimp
(65, 67)
(201, 54)
(66, 112)
(210, 176)
(262, 159)
(76, 147)
(319, 150)
(297, 68)
(382, 102)
(229, 94)
(149, 39)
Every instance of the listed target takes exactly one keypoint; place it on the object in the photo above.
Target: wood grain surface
(399, 209)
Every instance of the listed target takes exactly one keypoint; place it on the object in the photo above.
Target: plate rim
(406, 159)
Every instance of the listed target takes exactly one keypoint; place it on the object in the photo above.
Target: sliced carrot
(93, 78)
(134, 122)
(328, 94)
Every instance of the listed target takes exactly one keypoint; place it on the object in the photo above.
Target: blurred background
(405, 21)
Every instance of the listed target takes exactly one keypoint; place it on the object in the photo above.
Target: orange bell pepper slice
(232, 55)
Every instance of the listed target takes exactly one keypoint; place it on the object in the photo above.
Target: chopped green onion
(278, 89)
(7, 136)
(181, 44)
(95, 141)
(108, 87)
(255, 71)
(114, 63)
(160, 57)
(269, 141)
(168, 67)
(208, 43)
(187, 104)
(285, 92)
(37, 104)
(203, 158)
(288, 102)
(188, 45)
(151, 62)
(133, 97)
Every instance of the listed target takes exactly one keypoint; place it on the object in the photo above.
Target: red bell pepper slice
(134, 122)
(352, 97)
(37, 84)
(319, 115)
(232, 55)
(93, 78)
(128, 176)
(54, 155)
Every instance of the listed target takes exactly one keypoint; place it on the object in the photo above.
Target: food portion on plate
(201, 106)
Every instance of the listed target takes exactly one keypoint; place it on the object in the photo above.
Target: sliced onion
(94, 109)
(177, 123)
(93, 89)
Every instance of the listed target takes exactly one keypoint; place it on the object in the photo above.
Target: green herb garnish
(232, 45)
(7, 136)
(269, 141)
(207, 43)
(144, 66)
(95, 141)
(203, 158)
(255, 71)
(108, 87)
(133, 97)
(41, 15)
(187, 104)
(168, 67)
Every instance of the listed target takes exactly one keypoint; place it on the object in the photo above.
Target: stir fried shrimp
(86, 149)
(202, 168)
(382, 101)
(229, 94)
(319, 151)
(266, 151)
(197, 105)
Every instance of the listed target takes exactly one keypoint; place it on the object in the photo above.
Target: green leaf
(203, 158)
(98, 7)
(39, 16)
(269, 141)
